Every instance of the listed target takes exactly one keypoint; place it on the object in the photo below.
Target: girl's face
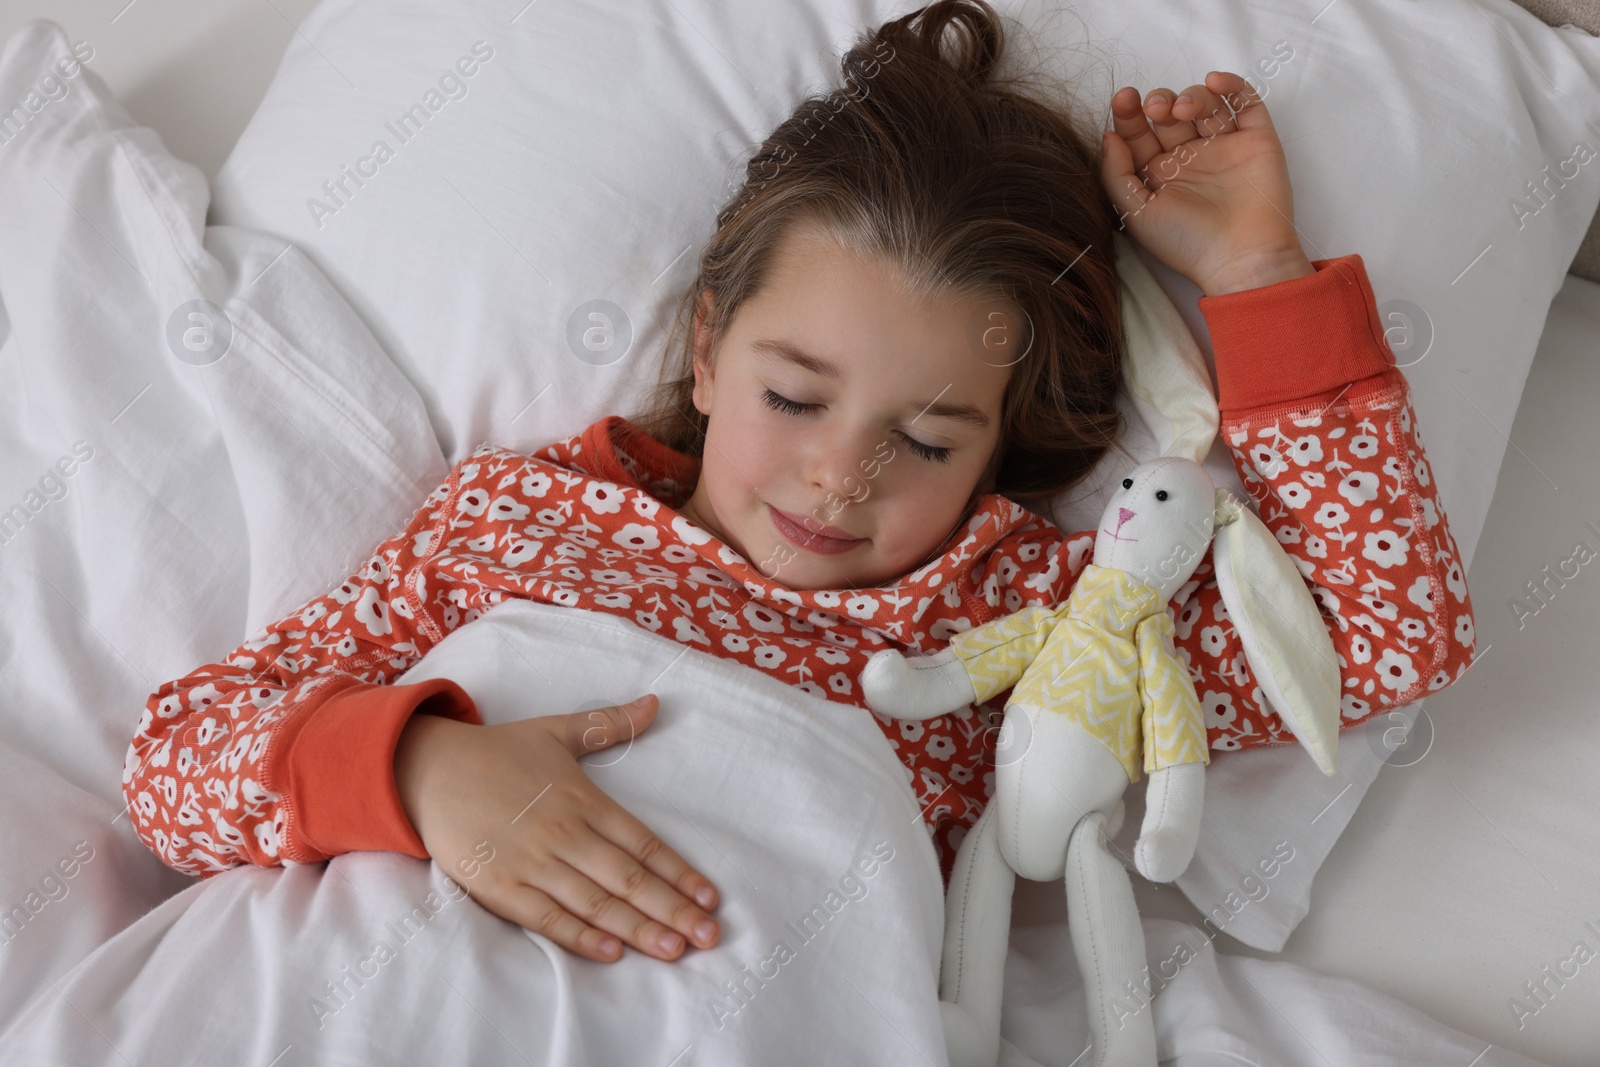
(841, 405)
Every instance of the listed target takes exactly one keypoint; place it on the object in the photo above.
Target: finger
(1127, 119)
(619, 826)
(533, 908)
(631, 882)
(591, 731)
(596, 907)
(1125, 189)
(1205, 109)
(1170, 130)
(1249, 110)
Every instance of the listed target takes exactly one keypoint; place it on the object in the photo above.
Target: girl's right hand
(568, 861)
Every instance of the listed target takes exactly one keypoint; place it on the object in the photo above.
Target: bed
(162, 463)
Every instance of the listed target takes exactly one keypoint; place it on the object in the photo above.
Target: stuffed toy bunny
(1097, 689)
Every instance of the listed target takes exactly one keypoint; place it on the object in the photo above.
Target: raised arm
(1321, 429)
(284, 750)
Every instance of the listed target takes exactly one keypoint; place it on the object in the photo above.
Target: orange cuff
(338, 765)
(1304, 339)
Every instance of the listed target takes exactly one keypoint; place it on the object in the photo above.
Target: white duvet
(208, 498)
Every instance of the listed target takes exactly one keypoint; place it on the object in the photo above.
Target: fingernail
(608, 946)
(668, 942)
(637, 701)
(703, 896)
(1182, 98)
(704, 930)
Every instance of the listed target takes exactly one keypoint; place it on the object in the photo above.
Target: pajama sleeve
(283, 751)
(1320, 427)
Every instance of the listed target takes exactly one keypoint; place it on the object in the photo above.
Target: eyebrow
(791, 353)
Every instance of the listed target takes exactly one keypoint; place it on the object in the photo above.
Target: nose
(835, 465)
(1123, 515)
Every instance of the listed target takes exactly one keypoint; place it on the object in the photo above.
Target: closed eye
(932, 453)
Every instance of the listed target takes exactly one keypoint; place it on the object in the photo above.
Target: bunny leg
(919, 687)
(977, 933)
(1049, 774)
(1171, 825)
(1108, 940)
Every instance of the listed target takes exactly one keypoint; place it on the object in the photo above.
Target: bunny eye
(1127, 483)
(1161, 494)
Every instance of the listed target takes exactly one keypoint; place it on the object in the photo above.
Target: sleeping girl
(902, 341)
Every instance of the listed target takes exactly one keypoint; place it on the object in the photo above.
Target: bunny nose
(1123, 515)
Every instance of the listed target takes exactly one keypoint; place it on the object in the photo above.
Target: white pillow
(567, 154)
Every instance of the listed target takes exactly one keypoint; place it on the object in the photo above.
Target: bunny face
(1159, 523)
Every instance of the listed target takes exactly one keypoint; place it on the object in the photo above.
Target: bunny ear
(1284, 636)
(1166, 374)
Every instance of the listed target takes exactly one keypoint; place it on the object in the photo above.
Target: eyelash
(932, 453)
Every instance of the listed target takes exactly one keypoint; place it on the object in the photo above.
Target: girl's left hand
(1205, 191)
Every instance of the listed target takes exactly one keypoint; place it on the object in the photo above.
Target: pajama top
(283, 751)
(1105, 660)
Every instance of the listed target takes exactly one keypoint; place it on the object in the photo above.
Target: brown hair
(969, 185)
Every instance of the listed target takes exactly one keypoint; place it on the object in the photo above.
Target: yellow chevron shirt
(1106, 659)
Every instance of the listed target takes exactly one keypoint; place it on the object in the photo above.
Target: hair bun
(919, 38)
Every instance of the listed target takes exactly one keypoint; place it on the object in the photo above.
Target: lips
(813, 535)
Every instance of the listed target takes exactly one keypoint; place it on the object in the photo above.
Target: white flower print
(1413, 629)
(612, 577)
(520, 552)
(603, 498)
(536, 483)
(686, 631)
(1305, 450)
(507, 509)
(313, 613)
(1363, 446)
(550, 517)
(567, 598)
(1316, 547)
(770, 656)
(1294, 494)
(1353, 707)
(1212, 640)
(1395, 670)
(647, 619)
(841, 683)
(1430, 514)
(708, 576)
(1360, 648)
(960, 774)
(1267, 461)
(862, 606)
(577, 574)
(1030, 551)
(1421, 594)
(911, 730)
(1383, 609)
(645, 505)
(638, 537)
(736, 642)
(827, 598)
(483, 544)
(1187, 616)
(372, 612)
(614, 600)
(1359, 487)
(723, 620)
(833, 655)
(688, 532)
(1219, 710)
(1313, 478)
(760, 617)
(1330, 515)
(1385, 548)
(1226, 743)
(1368, 623)
(811, 687)
(677, 554)
(535, 530)
(940, 747)
(1421, 470)
(473, 502)
(1454, 582)
(1287, 535)
(1465, 633)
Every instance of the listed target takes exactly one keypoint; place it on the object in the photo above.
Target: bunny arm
(1175, 754)
(925, 687)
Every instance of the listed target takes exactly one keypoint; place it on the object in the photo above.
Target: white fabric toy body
(1096, 687)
